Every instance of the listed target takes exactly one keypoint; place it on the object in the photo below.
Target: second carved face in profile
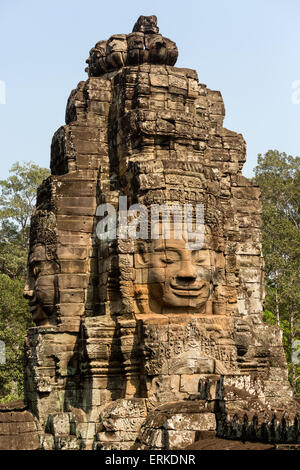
(40, 288)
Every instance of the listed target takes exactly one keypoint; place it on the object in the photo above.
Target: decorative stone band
(259, 427)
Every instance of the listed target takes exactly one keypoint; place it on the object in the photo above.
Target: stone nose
(187, 272)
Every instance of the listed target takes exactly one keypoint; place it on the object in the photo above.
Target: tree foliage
(17, 203)
(278, 176)
(15, 319)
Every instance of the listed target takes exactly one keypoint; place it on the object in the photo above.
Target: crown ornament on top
(145, 45)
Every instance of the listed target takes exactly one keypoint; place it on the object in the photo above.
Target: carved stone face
(116, 50)
(40, 286)
(135, 41)
(179, 279)
(117, 43)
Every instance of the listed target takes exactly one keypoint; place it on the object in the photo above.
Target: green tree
(17, 204)
(15, 319)
(278, 176)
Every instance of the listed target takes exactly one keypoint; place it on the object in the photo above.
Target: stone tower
(146, 342)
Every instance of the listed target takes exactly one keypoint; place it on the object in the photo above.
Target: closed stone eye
(168, 260)
(199, 261)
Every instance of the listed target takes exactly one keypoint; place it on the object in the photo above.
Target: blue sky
(249, 50)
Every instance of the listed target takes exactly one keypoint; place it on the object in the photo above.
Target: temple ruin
(147, 343)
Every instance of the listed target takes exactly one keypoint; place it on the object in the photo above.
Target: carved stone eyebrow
(168, 248)
(202, 253)
(160, 247)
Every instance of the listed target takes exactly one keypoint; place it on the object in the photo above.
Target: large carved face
(179, 278)
(40, 286)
